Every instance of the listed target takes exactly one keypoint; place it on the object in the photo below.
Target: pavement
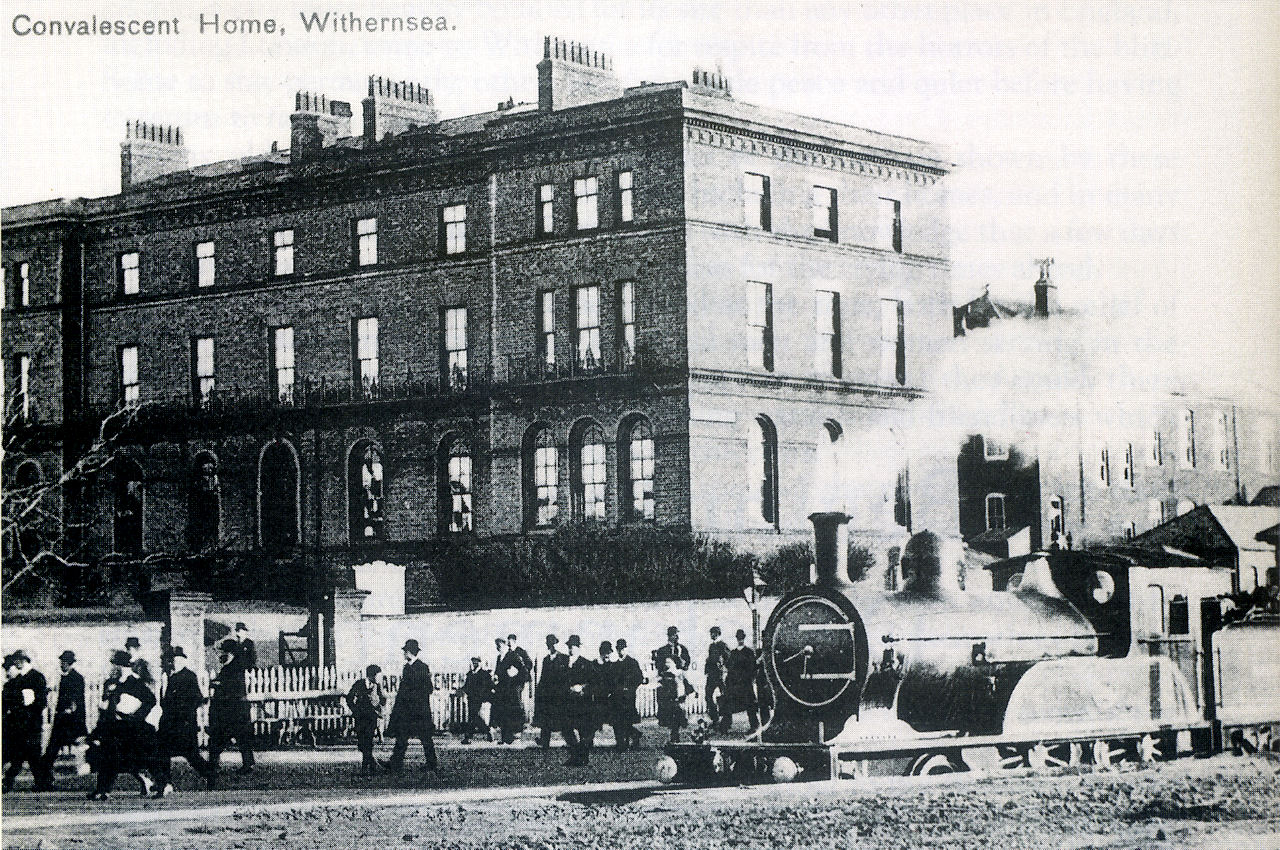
(328, 777)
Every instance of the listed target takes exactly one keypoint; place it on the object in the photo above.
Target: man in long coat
(579, 713)
(126, 742)
(411, 714)
(513, 673)
(548, 697)
(629, 679)
(739, 685)
(24, 721)
(229, 710)
(177, 737)
(717, 662)
(69, 716)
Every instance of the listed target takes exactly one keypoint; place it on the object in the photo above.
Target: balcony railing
(534, 368)
(317, 394)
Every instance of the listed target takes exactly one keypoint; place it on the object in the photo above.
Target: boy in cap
(367, 700)
(478, 689)
(178, 726)
(24, 721)
(411, 714)
(69, 716)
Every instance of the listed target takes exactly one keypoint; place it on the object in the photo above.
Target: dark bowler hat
(574, 640)
(121, 658)
(132, 641)
(177, 652)
(411, 645)
(511, 637)
(605, 647)
(230, 646)
(672, 630)
(9, 662)
(621, 643)
(20, 655)
(552, 640)
(241, 627)
(372, 670)
(68, 656)
(741, 634)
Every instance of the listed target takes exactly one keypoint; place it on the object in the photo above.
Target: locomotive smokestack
(831, 548)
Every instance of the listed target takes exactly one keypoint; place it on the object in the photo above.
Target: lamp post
(751, 593)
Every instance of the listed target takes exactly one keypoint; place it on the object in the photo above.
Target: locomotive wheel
(1104, 755)
(932, 764)
(1149, 749)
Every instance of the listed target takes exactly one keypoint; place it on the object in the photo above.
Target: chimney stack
(713, 83)
(571, 74)
(395, 106)
(1046, 292)
(149, 151)
(316, 123)
(831, 548)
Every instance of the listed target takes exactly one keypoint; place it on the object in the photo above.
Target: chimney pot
(831, 548)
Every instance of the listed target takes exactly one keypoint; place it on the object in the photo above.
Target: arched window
(541, 477)
(590, 472)
(278, 496)
(765, 468)
(365, 493)
(129, 506)
(203, 504)
(454, 492)
(636, 463)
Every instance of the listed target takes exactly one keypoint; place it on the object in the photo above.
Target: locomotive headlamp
(1102, 587)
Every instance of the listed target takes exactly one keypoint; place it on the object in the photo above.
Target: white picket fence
(303, 704)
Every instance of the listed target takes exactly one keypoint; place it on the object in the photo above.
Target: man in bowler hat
(178, 726)
(69, 716)
(229, 710)
(579, 711)
(411, 714)
(248, 651)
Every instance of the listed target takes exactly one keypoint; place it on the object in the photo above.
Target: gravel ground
(1223, 802)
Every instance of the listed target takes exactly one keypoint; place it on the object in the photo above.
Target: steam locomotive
(1087, 658)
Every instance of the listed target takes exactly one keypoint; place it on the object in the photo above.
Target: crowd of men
(124, 739)
(574, 697)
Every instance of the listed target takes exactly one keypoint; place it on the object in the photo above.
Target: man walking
(513, 673)
(411, 714)
(717, 661)
(629, 680)
(24, 722)
(548, 697)
(579, 719)
(177, 737)
(229, 710)
(367, 700)
(69, 716)
(126, 742)
(477, 687)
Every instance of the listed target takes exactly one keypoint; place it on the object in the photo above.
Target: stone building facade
(617, 304)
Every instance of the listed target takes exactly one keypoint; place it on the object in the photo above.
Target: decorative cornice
(705, 132)
(748, 379)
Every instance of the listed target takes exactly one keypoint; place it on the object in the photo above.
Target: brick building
(1106, 474)
(617, 304)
